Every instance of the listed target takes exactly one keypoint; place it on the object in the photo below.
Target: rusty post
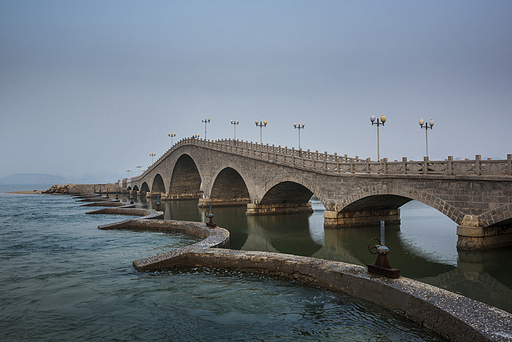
(381, 265)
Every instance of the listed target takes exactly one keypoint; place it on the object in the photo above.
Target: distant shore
(27, 192)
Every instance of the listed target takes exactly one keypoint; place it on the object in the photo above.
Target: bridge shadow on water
(423, 247)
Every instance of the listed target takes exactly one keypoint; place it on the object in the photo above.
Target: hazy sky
(92, 87)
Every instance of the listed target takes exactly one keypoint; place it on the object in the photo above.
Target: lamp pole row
(427, 125)
(378, 123)
(299, 127)
(234, 123)
(261, 125)
(206, 121)
(171, 135)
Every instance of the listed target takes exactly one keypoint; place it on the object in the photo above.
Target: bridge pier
(335, 219)
(278, 208)
(472, 236)
(220, 202)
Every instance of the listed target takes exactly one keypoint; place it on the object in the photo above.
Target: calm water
(63, 279)
(423, 247)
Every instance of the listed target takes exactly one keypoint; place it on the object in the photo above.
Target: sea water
(63, 279)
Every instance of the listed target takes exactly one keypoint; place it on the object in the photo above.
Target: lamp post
(378, 123)
(234, 123)
(152, 155)
(427, 125)
(261, 125)
(128, 170)
(195, 136)
(206, 121)
(299, 127)
(138, 167)
(171, 136)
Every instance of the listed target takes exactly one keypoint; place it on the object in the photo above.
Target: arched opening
(283, 198)
(377, 202)
(158, 184)
(185, 180)
(229, 188)
(287, 192)
(144, 189)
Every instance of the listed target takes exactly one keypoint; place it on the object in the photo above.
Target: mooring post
(382, 233)
(381, 266)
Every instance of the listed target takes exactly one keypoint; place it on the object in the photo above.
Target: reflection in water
(423, 247)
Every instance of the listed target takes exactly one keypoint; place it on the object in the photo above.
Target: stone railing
(333, 163)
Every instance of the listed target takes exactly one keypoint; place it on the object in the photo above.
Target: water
(62, 279)
(423, 247)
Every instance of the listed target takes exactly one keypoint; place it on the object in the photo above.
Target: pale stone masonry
(476, 194)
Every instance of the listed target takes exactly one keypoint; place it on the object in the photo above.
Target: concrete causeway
(453, 316)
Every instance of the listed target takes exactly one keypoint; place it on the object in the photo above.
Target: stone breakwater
(82, 189)
(455, 317)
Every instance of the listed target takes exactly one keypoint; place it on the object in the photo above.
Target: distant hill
(32, 178)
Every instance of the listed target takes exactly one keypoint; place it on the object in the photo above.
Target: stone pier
(334, 219)
(278, 208)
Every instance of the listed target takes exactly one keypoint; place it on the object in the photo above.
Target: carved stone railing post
(404, 165)
(367, 165)
(425, 165)
(449, 166)
(478, 161)
(509, 164)
(384, 165)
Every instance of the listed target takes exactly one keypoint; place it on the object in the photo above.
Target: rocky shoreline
(80, 189)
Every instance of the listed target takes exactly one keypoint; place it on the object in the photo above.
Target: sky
(89, 89)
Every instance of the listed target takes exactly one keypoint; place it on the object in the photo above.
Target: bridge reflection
(482, 275)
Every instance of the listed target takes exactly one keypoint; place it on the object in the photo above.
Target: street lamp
(128, 170)
(299, 127)
(206, 121)
(171, 136)
(378, 123)
(195, 136)
(152, 155)
(261, 125)
(138, 167)
(428, 125)
(234, 123)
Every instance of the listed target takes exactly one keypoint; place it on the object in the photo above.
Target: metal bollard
(381, 266)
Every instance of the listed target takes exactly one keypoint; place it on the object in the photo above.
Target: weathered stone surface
(279, 180)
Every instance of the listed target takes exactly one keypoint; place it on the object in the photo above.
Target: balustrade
(346, 165)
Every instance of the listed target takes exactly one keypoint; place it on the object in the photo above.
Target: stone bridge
(476, 194)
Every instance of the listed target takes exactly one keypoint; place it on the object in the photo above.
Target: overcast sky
(92, 87)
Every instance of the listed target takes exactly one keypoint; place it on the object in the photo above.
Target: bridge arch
(158, 184)
(229, 187)
(185, 179)
(135, 188)
(144, 188)
(283, 197)
(379, 200)
(287, 192)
